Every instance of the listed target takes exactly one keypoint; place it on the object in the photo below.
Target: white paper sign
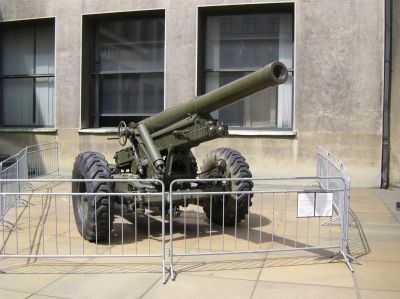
(323, 204)
(305, 204)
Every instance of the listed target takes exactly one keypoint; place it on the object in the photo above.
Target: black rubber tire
(98, 210)
(236, 167)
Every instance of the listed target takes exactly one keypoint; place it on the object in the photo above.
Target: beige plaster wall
(337, 95)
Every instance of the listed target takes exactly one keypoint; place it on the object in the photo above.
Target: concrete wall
(394, 170)
(338, 82)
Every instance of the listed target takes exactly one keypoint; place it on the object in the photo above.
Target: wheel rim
(122, 134)
(83, 203)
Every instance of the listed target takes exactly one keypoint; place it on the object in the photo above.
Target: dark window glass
(128, 69)
(237, 44)
(27, 74)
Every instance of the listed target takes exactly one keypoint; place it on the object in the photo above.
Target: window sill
(232, 132)
(28, 130)
(108, 130)
(261, 132)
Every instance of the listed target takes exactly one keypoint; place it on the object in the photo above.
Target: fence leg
(163, 233)
(171, 236)
(347, 259)
(344, 222)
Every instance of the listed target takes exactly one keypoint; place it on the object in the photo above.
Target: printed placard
(314, 204)
(305, 204)
(323, 204)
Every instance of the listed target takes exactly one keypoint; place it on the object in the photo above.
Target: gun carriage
(160, 148)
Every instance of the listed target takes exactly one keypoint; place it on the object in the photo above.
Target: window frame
(241, 9)
(23, 24)
(90, 97)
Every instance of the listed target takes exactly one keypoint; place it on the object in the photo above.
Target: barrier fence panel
(285, 214)
(328, 166)
(30, 162)
(278, 214)
(42, 160)
(47, 226)
(14, 167)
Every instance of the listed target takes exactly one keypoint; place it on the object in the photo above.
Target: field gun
(160, 148)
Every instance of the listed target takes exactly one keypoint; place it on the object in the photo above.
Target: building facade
(71, 70)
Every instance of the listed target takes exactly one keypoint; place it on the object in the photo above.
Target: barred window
(236, 44)
(27, 74)
(127, 69)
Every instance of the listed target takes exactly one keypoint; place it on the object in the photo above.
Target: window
(235, 44)
(27, 74)
(127, 71)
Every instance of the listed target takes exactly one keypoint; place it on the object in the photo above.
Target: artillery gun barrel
(270, 75)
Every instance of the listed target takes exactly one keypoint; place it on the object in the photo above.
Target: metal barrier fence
(47, 229)
(280, 219)
(29, 163)
(42, 160)
(328, 166)
(284, 214)
(14, 167)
